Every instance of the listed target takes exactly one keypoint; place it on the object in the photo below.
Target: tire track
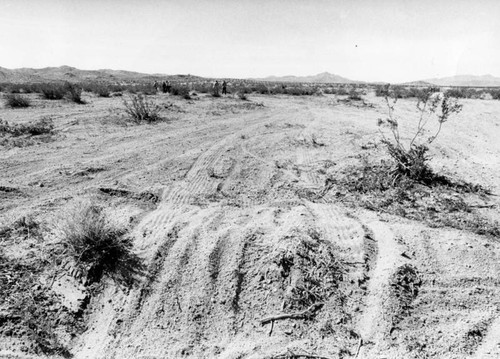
(373, 323)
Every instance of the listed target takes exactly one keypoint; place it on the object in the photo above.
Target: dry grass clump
(98, 247)
(14, 100)
(140, 110)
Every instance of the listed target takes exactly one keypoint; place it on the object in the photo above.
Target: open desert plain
(257, 226)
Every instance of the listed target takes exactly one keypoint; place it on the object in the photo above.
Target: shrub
(43, 126)
(98, 247)
(13, 100)
(101, 90)
(180, 90)
(74, 93)
(411, 159)
(52, 91)
(140, 110)
(354, 95)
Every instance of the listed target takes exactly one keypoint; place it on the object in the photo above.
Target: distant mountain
(71, 74)
(417, 83)
(467, 80)
(324, 77)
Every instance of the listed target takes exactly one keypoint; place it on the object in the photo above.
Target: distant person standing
(156, 85)
(224, 88)
(216, 88)
(169, 87)
(164, 87)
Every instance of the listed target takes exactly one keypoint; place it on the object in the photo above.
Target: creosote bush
(410, 158)
(75, 93)
(52, 91)
(98, 247)
(140, 110)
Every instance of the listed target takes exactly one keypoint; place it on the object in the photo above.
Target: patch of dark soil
(9, 189)
(405, 285)
(474, 337)
(89, 171)
(142, 196)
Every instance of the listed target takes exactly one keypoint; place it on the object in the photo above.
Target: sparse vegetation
(14, 100)
(140, 110)
(30, 310)
(43, 126)
(439, 202)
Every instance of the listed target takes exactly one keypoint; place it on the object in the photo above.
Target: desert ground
(246, 253)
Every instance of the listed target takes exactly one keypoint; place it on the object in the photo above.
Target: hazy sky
(392, 40)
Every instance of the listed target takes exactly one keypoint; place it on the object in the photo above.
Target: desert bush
(202, 87)
(180, 90)
(74, 93)
(494, 92)
(140, 110)
(14, 100)
(411, 159)
(98, 247)
(463, 92)
(354, 95)
(52, 91)
(45, 125)
(101, 90)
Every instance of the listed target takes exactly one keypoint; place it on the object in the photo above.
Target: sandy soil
(236, 182)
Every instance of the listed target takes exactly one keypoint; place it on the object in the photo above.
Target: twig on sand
(272, 327)
(290, 355)
(360, 343)
(300, 315)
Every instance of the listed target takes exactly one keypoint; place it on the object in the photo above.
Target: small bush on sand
(98, 247)
(75, 93)
(140, 110)
(52, 91)
(14, 100)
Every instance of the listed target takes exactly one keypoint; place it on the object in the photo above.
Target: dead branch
(360, 343)
(290, 355)
(300, 315)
